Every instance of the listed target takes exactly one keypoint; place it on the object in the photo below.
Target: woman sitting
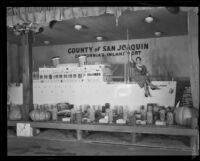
(140, 75)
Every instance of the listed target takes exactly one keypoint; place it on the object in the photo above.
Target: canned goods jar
(156, 108)
(73, 116)
(170, 118)
(143, 113)
(133, 119)
(91, 114)
(110, 116)
(54, 114)
(155, 116)
(149, 117)
(149, 107)
(162, 115)
(78, 117)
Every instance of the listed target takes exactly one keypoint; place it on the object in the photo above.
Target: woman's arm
(145, 70)
(131, 61)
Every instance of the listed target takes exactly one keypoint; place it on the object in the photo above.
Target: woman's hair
(138, 58)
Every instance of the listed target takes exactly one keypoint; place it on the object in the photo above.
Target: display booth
(84, 80)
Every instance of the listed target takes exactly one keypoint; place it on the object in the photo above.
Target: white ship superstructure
(74, 73)
(89, 85)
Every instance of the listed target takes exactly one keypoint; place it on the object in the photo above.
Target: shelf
(147, 129)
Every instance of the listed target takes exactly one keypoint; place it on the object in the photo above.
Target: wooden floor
(46, 147)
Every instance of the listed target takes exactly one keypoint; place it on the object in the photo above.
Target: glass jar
(78, 117)
(54, 114)
(162, 114)
(125, 113)
(149, 117)
(149, 107)
(73, 116)
(91, 114)
(110, 116)
(170, 118)
(156, 108)
(143, 113)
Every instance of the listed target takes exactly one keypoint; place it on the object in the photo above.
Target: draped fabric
(43, 15)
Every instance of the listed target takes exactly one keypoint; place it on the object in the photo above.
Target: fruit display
(152, 114)
(40, 115)
(184, 115)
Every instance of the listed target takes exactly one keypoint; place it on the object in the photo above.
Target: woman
(141, 75)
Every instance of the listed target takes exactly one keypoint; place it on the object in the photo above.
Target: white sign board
(24, 129)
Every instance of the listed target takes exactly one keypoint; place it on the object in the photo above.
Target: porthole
(79, 75)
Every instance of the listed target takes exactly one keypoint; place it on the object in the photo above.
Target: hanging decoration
(21, 29)
(128, 53)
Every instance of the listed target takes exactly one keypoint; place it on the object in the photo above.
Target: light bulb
(149, 19)
(46, 42)
(78, 27)
(157, 33)
(99, 38)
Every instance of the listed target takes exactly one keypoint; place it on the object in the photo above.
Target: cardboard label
(24, 129)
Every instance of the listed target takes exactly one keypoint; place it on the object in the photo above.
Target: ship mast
(126, 64)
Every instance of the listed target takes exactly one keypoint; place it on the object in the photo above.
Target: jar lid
(56, 57)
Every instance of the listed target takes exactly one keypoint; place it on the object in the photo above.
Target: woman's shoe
(155, 87)
(146, 94)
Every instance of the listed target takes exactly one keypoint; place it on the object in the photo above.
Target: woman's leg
(146, 90)
(151, 84)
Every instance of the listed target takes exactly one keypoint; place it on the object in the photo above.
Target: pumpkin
(15, 113)
(184, 115)
(40, 115)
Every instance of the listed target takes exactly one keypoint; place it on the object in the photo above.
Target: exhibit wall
(165, 56)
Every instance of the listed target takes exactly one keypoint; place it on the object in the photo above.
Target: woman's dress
(140, 75)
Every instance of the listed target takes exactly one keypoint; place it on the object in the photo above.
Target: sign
(24, 129)
(115, 49)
